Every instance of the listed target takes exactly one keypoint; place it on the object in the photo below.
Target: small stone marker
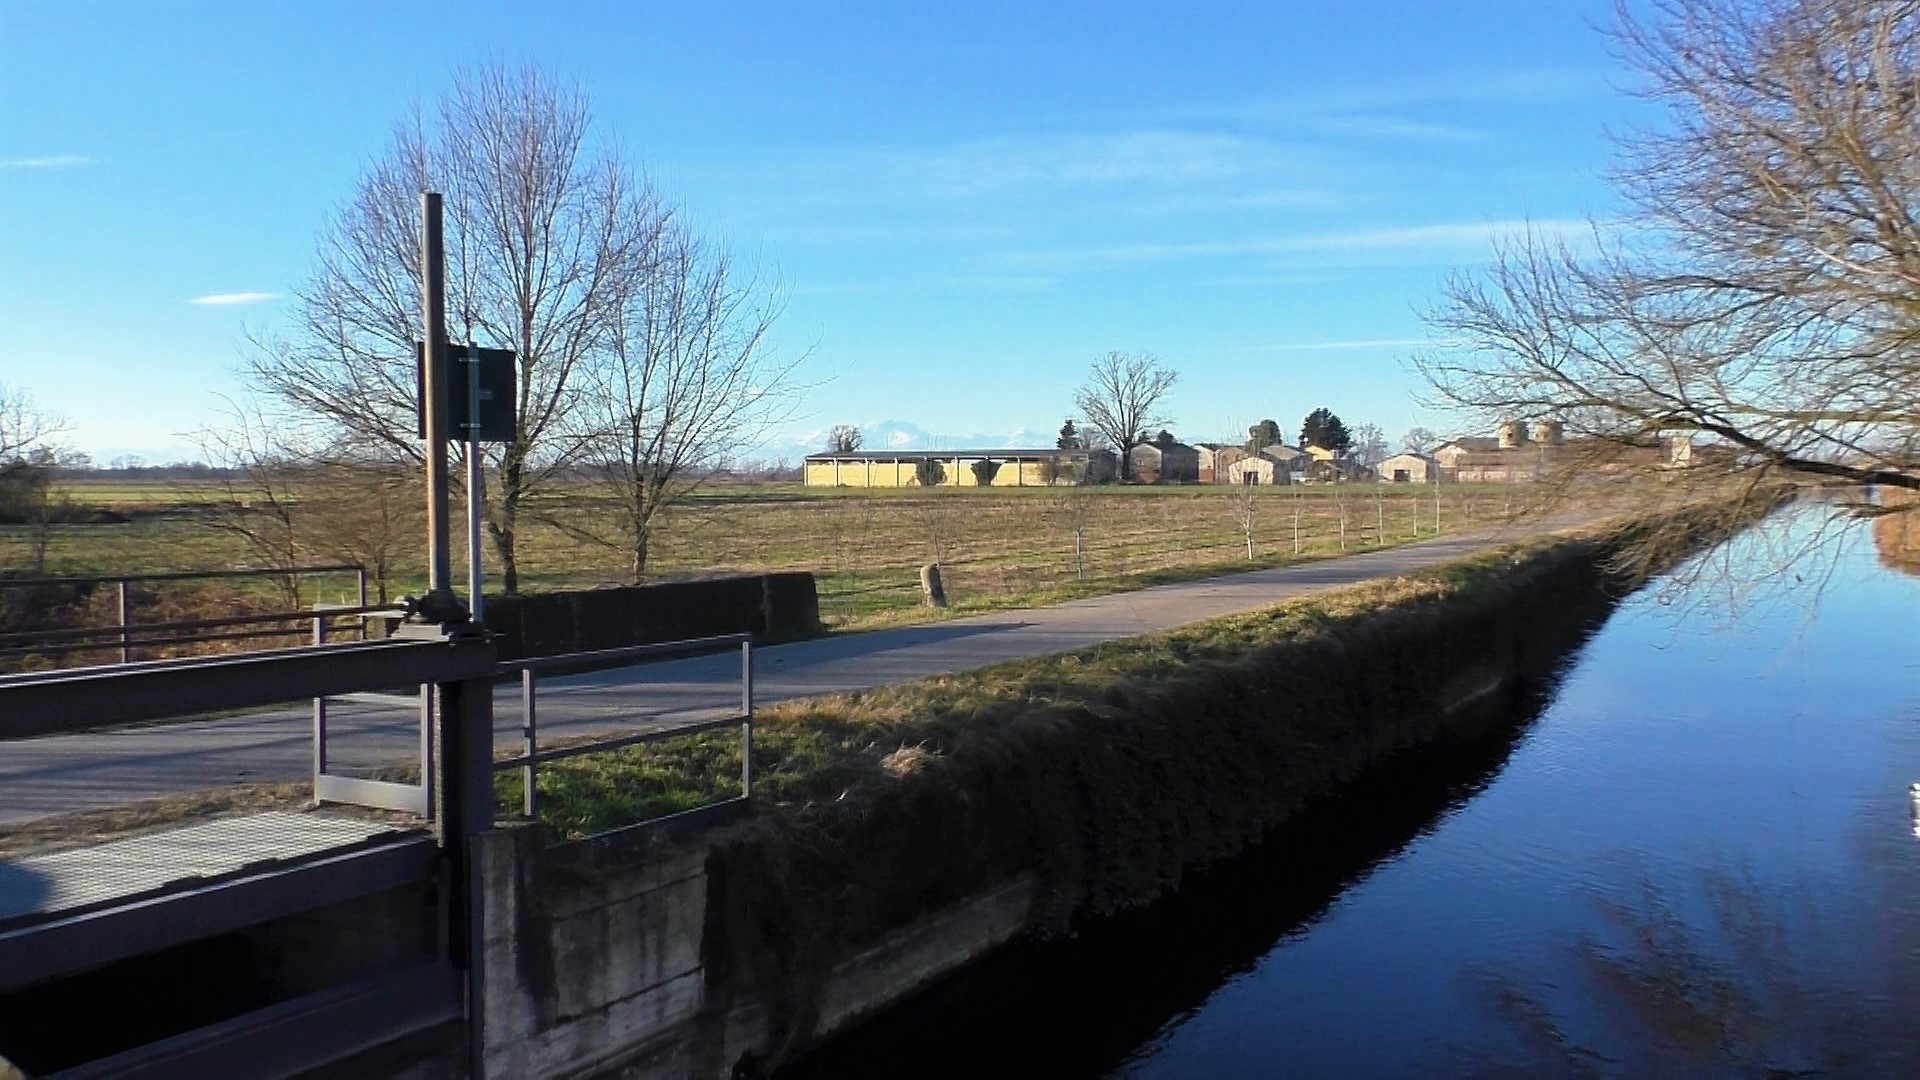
(930, 587)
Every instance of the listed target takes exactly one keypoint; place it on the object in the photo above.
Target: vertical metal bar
(428, 805)
(529, 744)
(125, 608)
(475, 583)
(746, 724)
(319, 715)
(434, 359)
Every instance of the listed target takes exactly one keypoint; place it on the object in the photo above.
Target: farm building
(1214, 459)
(1407, 469)
(1257, 469)
(959, 468)
(1165, 460)
(1448, 454)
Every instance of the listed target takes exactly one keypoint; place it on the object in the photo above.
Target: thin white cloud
(1151, 157)
(1537, 86)
(226, 299)
(1444, 236)
(50, 161)
(1335, 346)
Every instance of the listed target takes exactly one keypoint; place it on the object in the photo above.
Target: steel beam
(79, 942)
(299, 1035)
(60, 702)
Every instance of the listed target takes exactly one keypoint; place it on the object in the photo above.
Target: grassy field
(997, 548)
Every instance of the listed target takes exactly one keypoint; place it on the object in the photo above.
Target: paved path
(42, 777)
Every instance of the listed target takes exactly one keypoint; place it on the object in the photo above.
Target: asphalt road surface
(63, 774)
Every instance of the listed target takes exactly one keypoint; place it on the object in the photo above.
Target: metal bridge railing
(531, 756)
(126, 635)
(134, 897)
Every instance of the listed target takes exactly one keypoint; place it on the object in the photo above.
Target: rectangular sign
(496, 375)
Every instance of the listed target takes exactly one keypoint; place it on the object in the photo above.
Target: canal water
(1694, 853)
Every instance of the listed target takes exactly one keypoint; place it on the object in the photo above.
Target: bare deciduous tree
(686, 380)
(1763, 295)
(1121, 399)
(546, 236)
(1370, 444)
(24, 425)
(259, 472)
(843, 439)
(1418, 440)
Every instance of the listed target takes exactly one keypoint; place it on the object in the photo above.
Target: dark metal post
(125, 608)
(464, 716)
(439, 605)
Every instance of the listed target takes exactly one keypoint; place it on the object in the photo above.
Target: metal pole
(529, 743)
(475, 602)
(439, 605)
(746, 725)
(430, 806)
(362, 574)
(319, 716)
(126, 636)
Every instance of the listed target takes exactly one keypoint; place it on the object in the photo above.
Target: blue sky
(967, 202)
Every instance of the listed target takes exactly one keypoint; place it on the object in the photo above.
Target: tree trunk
(640, 538)
(502, 528)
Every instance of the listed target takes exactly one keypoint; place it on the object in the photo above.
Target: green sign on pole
(495, 379)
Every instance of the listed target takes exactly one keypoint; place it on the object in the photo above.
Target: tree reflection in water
(1741, 978)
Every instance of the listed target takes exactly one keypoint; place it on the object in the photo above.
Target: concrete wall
(603, 960)
(777, 605)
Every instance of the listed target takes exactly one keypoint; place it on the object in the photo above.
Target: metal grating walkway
(41, 885)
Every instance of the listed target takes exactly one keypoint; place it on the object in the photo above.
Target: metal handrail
(123, 598)
(531, 756)
(88, 699)
(81, 632)
(599, 657)
(183, 575)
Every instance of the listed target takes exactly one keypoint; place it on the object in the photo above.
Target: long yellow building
(958, 468)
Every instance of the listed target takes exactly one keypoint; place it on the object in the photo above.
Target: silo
(1548, 432)
(1513, 434)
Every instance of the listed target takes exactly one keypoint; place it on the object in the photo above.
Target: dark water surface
(1696, 857)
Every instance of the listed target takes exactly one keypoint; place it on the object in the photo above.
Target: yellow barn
(958, 468)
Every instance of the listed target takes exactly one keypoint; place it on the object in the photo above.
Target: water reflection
(1699, 860)
(1080, 1006)
(1731, 975)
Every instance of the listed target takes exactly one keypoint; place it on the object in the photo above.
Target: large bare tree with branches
(1763, 295)
(686, 380)
(1121, 400)
(547, 240)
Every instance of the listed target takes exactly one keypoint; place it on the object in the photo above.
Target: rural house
(1164, 460)
(1407, 469)
(1257, 469)
(1214, 459)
